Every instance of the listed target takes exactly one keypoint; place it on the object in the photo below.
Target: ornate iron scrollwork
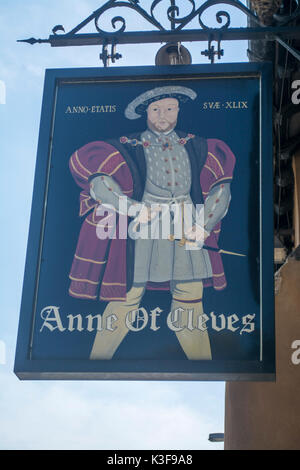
(173, 14)
(178, 30)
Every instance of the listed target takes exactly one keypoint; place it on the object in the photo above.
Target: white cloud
(103, 415)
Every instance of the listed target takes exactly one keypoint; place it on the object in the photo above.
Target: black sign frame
(29, 367)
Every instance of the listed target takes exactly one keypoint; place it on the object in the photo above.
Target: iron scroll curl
(176, 27)
(177, 22)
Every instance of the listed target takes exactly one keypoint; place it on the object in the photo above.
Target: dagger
(216, 250)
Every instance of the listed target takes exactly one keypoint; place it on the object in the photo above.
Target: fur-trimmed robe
(103, 269)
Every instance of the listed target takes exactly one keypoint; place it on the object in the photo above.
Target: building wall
(267, 415)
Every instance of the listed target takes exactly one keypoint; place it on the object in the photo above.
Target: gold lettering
(214, 105)
(84, 109)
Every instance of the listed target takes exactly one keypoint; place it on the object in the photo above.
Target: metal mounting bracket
(284, 30)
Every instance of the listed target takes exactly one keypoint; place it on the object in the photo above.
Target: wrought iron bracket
(211, 53)
(105, 56)
(284, 30)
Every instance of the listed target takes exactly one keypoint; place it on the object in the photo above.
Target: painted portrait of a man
(157, 165)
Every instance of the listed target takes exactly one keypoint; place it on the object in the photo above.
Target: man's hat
(136, 108)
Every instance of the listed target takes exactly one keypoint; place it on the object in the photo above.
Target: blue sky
(76, 415)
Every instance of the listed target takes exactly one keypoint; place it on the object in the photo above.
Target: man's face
(162, 115)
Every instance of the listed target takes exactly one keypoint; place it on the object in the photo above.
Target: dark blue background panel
(233, 104)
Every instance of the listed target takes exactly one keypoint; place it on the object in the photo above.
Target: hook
(210, 51)
(104, 56)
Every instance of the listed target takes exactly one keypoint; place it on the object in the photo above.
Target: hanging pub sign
(150, 253)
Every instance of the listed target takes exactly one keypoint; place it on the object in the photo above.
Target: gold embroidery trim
(105, 217)
(220, 287)
(221, 179)
(219, 164)
(116, 169)
(212, 171)
(90, 260)
(88, 207)
(98, 224)
(106, 160)
(83, 280)
(113, 284)
(91, 223)
(77, 171)
(80, 164)
(83, 295)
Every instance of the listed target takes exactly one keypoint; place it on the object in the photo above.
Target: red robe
(99, 266)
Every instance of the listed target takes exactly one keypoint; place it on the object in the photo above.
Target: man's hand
(197, 233)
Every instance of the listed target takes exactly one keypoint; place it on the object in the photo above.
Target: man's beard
(163, 129)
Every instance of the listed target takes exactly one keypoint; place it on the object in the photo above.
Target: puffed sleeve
(96, 159)
(93, 159)
(218, 167)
